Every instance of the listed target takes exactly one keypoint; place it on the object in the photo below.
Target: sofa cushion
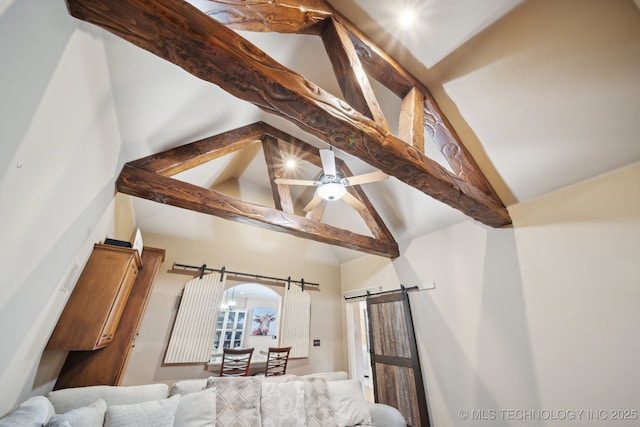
(183, 387)
(282, 404)
(348, 403)
(385, 415)
(34, 411)
(328, 376)
(72, 398)
(153, 413)
(316, 403)
(87, 416)
(237, 400)
(197, 409)
(278, 378)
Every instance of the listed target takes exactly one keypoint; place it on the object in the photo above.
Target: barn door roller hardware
(201, 270)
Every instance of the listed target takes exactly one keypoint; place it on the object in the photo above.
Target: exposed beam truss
(150, 178)
(192, 39)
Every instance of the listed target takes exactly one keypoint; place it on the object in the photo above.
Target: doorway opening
(358, 346)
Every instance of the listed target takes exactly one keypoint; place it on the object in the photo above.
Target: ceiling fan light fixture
(332, 191)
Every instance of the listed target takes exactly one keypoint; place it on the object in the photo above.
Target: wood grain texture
(274, 143)
(396, 78)
(275, 168)
(151, 186)
(397, 372)
(411, 126)
(350, 75)
(184, 157)
(282, 16)
(368, 213)
(107, 365)
(397, 388)
(178, 32)
(94, 309)
(317, 212)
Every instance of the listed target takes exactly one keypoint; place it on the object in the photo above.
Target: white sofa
(317, 400)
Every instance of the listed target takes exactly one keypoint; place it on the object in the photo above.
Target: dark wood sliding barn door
(397, 376)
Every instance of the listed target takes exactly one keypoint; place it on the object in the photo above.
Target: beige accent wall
(145, 364)
(542, 316)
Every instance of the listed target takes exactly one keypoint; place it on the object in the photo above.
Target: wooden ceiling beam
(152, 186)
(135, 180)
(272, 155)
(368, 213)
(396, 78)
(350, 75)
(180, 33)
(411, 126)
(184, 157)
(282, 16)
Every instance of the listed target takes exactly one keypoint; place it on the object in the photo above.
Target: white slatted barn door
(296, 321)
(195, 326)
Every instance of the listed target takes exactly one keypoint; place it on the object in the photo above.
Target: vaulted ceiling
(525, 89)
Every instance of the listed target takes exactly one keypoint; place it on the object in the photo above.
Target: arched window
(213, 315)
(249, 316)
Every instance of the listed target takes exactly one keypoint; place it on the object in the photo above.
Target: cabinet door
(95, 306)
(237, 339)
(107, 365)
(231, 320)
(119, 302)
(229, 330)
(242, 315)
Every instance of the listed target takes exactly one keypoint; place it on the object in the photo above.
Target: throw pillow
(67, 399)
(237, 401)
(316, 403)
(329, 376)
(183, 387)
(154, 413)
(87, 416)
(282, 404)
(348, 403)
(34, 411)
(197, 409)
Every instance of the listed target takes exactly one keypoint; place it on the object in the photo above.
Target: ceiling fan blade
(353, 202)
(294, 181)
(328, 162)
(313, 203)
(366, 178)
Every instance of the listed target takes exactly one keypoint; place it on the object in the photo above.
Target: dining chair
(235, 362)
(277, 358)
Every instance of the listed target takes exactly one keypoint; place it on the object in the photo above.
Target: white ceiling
(543, 93)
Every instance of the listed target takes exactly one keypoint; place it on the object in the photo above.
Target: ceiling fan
(332, 185)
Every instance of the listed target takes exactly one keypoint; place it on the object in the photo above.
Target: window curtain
(193, 332)
(296, 320)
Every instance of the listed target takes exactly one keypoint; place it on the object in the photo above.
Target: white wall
(219, 249)
(579, 250)
(542, 316)
(58, 159)
(62, 146)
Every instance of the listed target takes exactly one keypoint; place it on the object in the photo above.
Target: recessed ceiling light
(291, 164)
(406, 17)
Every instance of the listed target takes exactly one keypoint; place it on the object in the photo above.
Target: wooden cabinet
(93, 311)
(106, 366)
(229, 330)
